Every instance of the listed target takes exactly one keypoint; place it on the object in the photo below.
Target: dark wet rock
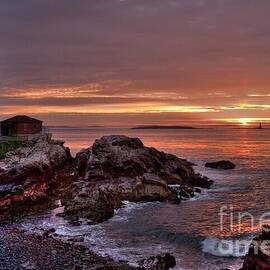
(5, 190)
(223, 164)
(181, 192)
(258, 256)
(120, 168)
(48, 232)
(165, 262)
(17, 190)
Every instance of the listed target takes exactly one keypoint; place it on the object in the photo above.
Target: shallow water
(191, 230)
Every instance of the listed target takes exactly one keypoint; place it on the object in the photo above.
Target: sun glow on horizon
(244, 121)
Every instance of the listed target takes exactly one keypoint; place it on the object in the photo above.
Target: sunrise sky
(129, 62)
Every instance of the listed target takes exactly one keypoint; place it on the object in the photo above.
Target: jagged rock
(26, 173)
(120, 168)
(93, 202)
(165, 262)
(223, 164)
(258, 256)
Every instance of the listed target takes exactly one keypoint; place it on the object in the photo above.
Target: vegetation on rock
(8, 146)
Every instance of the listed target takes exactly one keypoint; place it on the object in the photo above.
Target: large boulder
(223, 164)
(26, 174)
(258, 256)
(120, 168)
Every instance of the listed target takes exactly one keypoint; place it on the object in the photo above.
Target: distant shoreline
(163, 127)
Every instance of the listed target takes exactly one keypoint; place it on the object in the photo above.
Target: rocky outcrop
(258, 256)
(223, 164)
(93, 185)
(120, 168)
(27, 173)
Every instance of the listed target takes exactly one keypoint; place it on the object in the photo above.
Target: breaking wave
(230, 247)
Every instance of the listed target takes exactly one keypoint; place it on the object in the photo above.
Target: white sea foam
(96, 237)
(203, 195)
(124, 212)
(226, 247)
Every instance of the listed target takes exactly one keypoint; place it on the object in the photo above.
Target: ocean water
(192, 230)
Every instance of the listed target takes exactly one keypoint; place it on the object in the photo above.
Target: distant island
(162, 127)
(72, 127)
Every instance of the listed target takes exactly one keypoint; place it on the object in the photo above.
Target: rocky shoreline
(90, 186)
(20, 250)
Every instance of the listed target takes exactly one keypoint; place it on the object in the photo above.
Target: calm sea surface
(191, 230)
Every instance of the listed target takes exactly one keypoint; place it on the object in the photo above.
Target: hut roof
(21, 119)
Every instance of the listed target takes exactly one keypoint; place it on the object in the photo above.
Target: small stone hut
(21, 125)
